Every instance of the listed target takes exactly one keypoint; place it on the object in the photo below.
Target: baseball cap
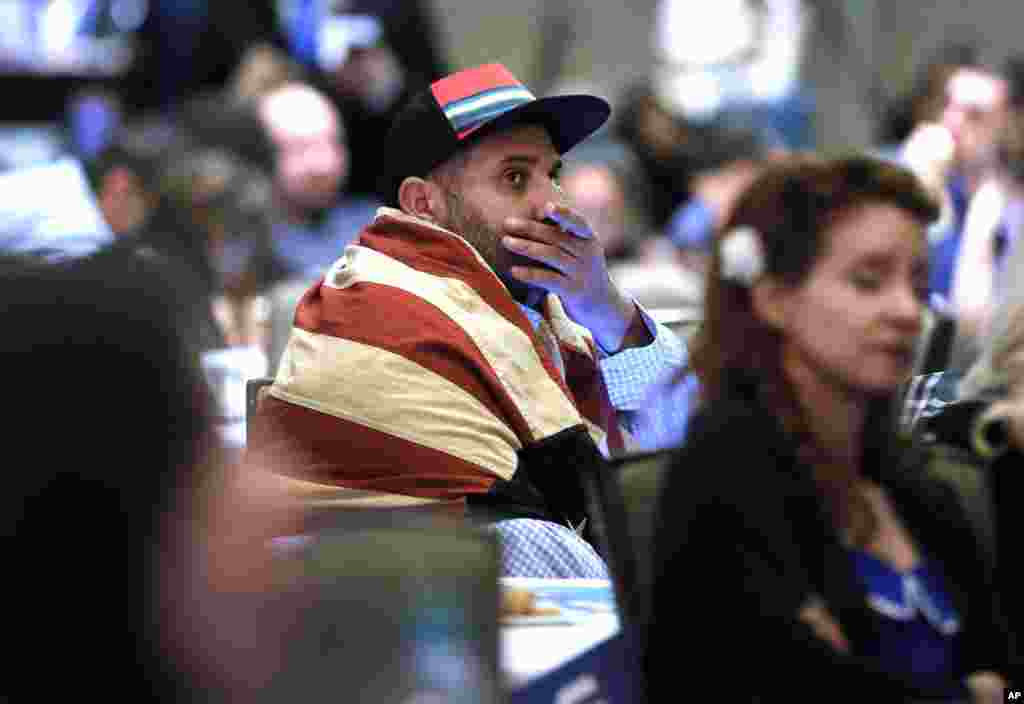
(461, 108)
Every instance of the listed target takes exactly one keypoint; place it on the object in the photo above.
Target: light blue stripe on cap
(476, 109)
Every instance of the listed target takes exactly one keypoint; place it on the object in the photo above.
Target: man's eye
(516, 179)
(866, 280)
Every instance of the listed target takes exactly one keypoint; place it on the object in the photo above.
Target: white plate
(542, 620)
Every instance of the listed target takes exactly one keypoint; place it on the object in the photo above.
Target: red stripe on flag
(306, 444)
(395, 320)
(440, 254)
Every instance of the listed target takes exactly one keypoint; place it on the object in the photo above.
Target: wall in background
(855, 42)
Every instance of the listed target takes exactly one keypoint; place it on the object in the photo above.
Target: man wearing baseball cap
(470, 347)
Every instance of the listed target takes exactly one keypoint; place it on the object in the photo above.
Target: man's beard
(470, 224)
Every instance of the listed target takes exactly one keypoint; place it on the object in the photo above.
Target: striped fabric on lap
(333, 451)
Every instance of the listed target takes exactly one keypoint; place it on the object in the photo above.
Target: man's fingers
(569, 221)
(538, 251)
(542, 278)
(548, 234)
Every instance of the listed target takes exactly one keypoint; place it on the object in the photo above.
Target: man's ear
(769, 299)
(419, 197)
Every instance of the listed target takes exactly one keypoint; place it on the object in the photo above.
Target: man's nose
(953, 119)
(549, 193)
(906, 309)
(324, 160)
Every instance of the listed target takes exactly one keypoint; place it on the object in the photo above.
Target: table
(531, 648)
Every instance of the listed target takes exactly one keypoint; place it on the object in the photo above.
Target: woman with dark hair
(799, 545)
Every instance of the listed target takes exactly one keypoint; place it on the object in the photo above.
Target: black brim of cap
(568, 119)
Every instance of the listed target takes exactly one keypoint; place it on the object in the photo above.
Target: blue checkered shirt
(532, 548)
(636, 381)
(651, 409)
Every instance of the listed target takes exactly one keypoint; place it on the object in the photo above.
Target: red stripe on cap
(472, 81)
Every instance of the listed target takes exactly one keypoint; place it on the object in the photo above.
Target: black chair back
(253, 387)
(621, 498)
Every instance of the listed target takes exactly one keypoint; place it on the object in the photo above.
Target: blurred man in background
(368, 57)
(976, 109)
(310, 172)
(73, 206)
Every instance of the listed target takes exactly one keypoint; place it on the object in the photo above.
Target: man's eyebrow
(524, 158)
(530, 160)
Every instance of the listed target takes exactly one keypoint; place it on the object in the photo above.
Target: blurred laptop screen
(85, 38)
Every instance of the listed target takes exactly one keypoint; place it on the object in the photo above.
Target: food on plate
(522, 602)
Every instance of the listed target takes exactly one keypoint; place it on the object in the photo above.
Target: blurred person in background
(317, 218)
(975, 111)
(602, 179)
(225, 115)
(124, 174)
(738, 58)
(695, 222)
(992, 228)
(289, 130)
(674, 147)
(212, 213)
(263, 68)
(926, 98)
(715, 191)
(954, 151)
(138, 564)
(368, 57)
(827, 546)
(992, 432)
(188, 47)
(211, 218)
(76, 205)
(315, 215)
(973, 421)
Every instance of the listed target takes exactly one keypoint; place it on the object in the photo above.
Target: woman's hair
(109, 418)
(792, 206)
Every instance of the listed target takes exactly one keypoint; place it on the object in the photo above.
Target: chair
(253, 387)
(936, 346)
(621, 503)
(395, 614)
(639, 477)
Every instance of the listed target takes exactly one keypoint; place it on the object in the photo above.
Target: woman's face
(854, 322)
